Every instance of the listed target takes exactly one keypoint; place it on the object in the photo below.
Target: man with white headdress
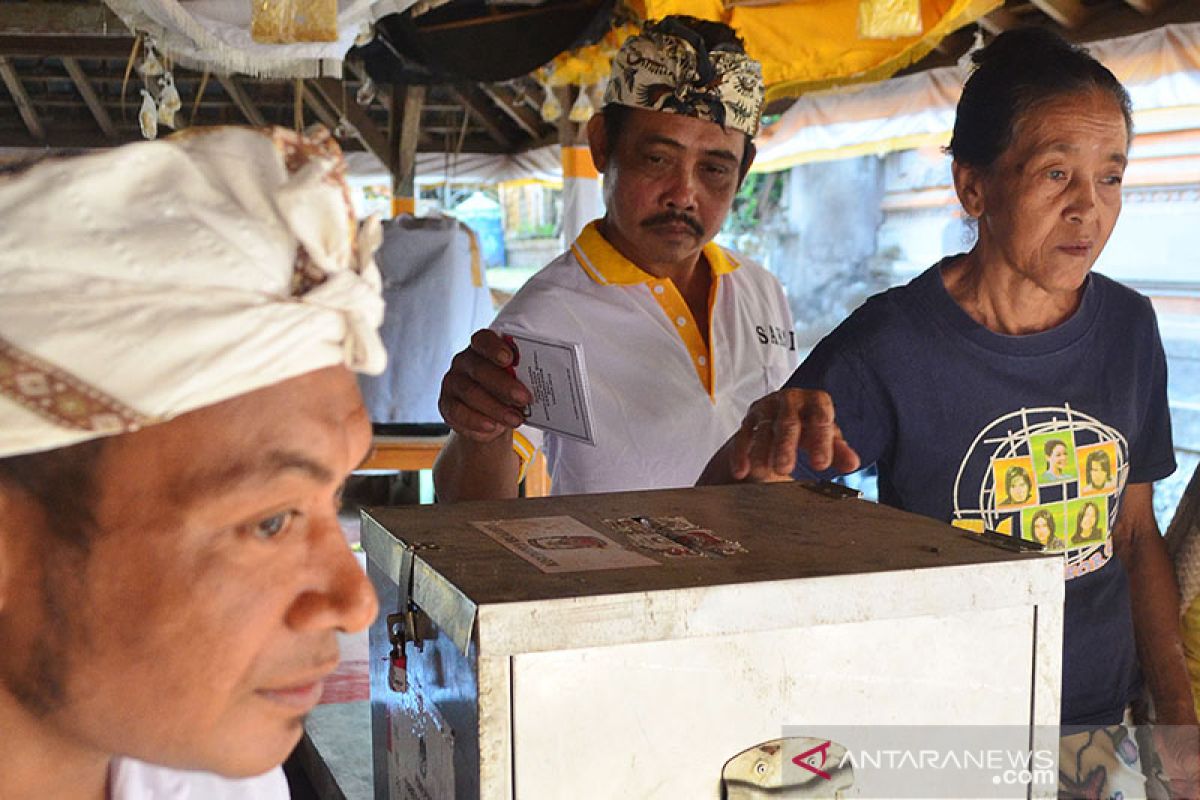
(179, 325)
(679, 335)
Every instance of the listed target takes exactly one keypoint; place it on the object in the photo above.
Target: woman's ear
(968, 184)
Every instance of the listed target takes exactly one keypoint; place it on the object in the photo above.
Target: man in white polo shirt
(679, 336)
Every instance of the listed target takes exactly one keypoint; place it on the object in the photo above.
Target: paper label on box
(674, 537)
(420, 748)
(554, 373)
(561, 544)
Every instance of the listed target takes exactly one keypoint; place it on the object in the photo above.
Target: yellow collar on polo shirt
(605, 265)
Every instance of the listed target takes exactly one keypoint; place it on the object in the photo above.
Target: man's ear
(8, 540)
(598, 141)
(968, 184)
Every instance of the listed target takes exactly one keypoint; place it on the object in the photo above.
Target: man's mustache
(669, 217)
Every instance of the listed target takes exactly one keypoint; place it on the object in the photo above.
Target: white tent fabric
(583, 202)
(1160, 68)
(215, 34)
(543, 163)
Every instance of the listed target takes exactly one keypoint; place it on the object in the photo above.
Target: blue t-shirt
(1033, 436)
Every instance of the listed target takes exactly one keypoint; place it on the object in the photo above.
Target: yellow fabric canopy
(815, 44)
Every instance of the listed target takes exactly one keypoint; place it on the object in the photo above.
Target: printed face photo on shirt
(1014, 483)
(1054, 455)
(1087, 521)
(1044, 525)
(1024, 433)
(1097, 468)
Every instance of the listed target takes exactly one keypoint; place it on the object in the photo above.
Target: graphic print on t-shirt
(1050, 475)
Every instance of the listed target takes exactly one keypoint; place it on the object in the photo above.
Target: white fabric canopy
(1160, 68)
(215, 34)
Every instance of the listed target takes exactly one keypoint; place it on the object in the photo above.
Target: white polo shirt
(136, 780)
(663, 401)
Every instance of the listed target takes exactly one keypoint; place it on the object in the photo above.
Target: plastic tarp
(436, 295)
(1160, 68)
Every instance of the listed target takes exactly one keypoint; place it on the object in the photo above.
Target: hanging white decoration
(148, 116)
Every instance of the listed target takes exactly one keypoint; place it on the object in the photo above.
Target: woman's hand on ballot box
(481, 397)
(775, 428)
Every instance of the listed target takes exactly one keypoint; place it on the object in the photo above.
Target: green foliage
(757, 199)
(543, 231)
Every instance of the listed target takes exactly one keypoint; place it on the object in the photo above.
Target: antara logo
(773, 334)
(808, 760)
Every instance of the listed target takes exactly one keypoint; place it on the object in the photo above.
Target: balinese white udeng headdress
(139, 283)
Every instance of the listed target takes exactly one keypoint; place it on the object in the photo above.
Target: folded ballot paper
(554, 373)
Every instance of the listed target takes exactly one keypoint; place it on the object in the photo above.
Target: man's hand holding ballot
(481, 397)
(482, 402)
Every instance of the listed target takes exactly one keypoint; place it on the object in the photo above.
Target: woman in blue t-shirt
(985, 347)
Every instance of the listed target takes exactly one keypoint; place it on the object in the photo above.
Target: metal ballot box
(632, 645)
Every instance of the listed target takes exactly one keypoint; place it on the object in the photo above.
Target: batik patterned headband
(668, 68)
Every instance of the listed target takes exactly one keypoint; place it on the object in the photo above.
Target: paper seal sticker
(561, 544)
(676, 537)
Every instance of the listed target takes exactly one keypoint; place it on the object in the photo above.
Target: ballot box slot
(1014, 544)
(835, 491)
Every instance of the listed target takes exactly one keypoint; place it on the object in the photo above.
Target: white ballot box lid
(770, 557)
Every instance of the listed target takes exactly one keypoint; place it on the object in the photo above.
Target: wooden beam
(365, 131)
(237, 94)
(999, 21)
(385, 100)
(32, 46)
(69, 19)
(24, 107)
(475, 107)
(1146, 6)
(89, 97)
(62, 138)
(1124, 21)
(313, 102)
(381, 96)
(956, 42)
(524, 119)
(1071, 14)
(570, 134)
(405, 138)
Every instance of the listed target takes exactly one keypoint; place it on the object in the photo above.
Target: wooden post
(405, 132)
